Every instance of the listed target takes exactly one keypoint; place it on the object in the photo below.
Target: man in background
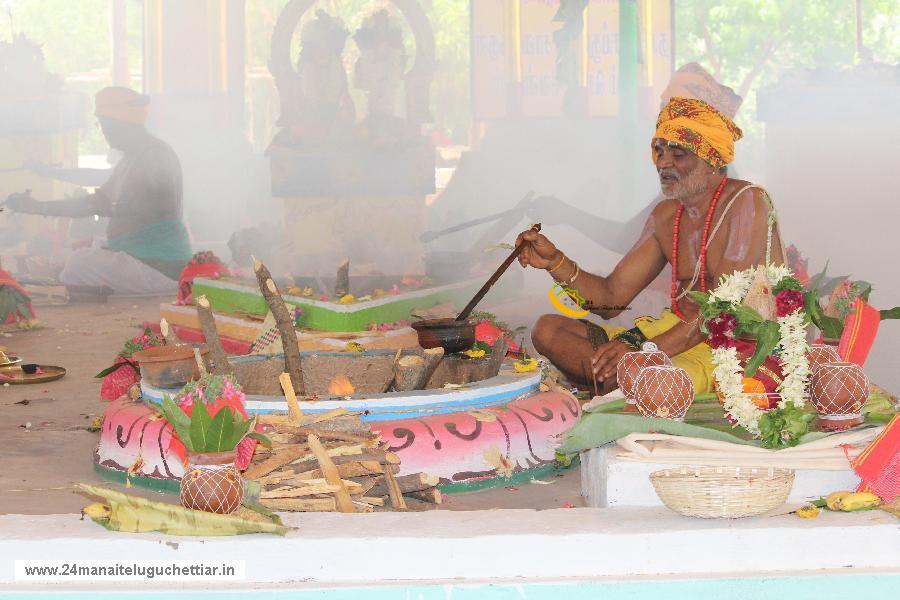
(147, 244)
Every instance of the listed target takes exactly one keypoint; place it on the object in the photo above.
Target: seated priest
(147, 244)
(705, 225)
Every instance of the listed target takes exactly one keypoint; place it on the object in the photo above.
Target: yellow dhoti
(697, 361)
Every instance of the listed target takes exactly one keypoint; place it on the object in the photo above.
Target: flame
(340, 386)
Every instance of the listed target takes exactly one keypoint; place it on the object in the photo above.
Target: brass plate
(19, 377)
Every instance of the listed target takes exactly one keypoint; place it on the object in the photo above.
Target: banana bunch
(851, 501)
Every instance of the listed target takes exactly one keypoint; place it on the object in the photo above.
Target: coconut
(760, 298)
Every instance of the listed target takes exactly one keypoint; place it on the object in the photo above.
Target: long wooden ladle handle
(490, 282)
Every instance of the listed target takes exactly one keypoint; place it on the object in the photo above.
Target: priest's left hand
(607, 357)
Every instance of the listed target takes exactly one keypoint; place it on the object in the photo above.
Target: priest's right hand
(22, 202)
(539, 252)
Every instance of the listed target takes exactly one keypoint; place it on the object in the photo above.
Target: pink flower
(787, 302)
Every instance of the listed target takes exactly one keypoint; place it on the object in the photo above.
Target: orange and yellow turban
(699, 128)
(121, 104)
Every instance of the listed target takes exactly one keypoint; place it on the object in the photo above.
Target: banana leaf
(134, 514)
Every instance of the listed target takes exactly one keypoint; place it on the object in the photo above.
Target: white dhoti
(121, 272)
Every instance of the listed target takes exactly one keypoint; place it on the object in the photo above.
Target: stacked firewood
(334, 465)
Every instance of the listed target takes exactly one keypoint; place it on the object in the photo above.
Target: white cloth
(831, 453)
(121, 272)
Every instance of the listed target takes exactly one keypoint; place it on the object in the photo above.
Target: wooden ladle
(455, 335)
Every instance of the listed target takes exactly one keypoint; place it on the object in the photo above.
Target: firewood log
(373, 500)
(300, 504)
(498, 355)
(295, 492)
(394, 492)
(331, 474)
(342, 282)
(432, 495)
(283, 321)
(208, 325)
(365, 439)
(287, 386)
(278, 460)
(350, 470)
(407, 371)
(433, 358)
(408, 483)
(167, 333)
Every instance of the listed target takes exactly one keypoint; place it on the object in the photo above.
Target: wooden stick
(336, 435)
(498, 355)
(199, 360)
(276, 461)
(407, 483)
(325, 416)
(354, 487)
(390, 383)
(167, 333)
(406, 372)
(432, 495)
(283, 321)
(208, 325)
(349, 470)
(296, 492)
(383, 458)
(299, 454)
(342, 282)
(332, 476)
(433, 358)
(301, 504)
(374, 500)
(363, 489)
(294, 411)
(396, 496)
(493, 279)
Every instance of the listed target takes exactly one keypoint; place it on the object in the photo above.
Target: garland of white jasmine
(792, 348)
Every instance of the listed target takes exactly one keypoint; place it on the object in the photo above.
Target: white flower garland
(792, 349)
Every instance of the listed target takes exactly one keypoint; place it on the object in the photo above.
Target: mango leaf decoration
(202, 432)
(767, 336)
(830, 327)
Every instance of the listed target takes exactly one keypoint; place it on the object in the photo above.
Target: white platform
(610, 482)
(529, 546)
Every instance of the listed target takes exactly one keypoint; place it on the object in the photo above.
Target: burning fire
(340, 386)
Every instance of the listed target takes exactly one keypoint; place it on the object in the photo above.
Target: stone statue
(379, 72)
(317, 108)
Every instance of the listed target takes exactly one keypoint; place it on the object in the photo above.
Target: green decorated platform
(244, 299)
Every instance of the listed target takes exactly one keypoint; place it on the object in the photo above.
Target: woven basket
(722, 492)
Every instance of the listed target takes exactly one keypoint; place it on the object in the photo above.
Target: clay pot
(170, 366)
(819, 354)
(212, 483)
(449, 334)
(664, 391)
(630, 366)
(839, 390)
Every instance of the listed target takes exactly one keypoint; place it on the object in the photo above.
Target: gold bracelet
(575, 275)
(559, 264)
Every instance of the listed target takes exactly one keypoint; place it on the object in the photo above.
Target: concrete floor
(42, 460)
